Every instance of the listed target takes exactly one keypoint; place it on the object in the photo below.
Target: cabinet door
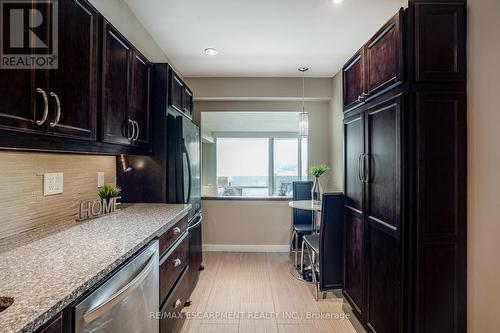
(23, 107)
(384, 57)
(116, 126)
(354, 206)
(73, 85)
(441, 222)
(440, 34)
(383, 216)
(140, 98)
(176, 96)
(353, 81)
(188, 102)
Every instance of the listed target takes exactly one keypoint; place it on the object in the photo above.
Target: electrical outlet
(100, 179)
(52, 183)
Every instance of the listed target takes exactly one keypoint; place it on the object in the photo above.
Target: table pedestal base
(306, 277)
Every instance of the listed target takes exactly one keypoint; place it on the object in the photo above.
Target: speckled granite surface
(45, 271)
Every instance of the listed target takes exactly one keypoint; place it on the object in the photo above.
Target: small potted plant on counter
(317, 171)
(109, 191)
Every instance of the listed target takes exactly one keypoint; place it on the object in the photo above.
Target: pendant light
(303, 115)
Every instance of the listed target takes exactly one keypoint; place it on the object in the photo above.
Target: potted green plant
(317, 171)
(109, 191)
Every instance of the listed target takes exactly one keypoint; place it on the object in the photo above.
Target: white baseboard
(245, 248)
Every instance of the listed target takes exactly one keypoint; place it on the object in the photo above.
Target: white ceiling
(250, 121)
(261, 37)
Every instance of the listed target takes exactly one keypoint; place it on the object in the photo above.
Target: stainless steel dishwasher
(127, 301)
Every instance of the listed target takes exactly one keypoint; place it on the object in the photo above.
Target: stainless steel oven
(127, 302)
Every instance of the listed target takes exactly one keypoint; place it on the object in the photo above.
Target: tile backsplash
(22, 204)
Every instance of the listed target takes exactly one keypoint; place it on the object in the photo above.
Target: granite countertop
(45, 270)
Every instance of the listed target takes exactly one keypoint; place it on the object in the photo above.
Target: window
(243, 166)
(286, 165)
(259, 166)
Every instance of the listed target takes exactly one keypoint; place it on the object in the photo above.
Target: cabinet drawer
(171, 235)
(171, 310)
(172, 265)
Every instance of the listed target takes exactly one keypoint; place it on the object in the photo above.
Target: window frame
(271, 136)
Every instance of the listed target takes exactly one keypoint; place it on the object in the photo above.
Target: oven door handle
(200, 218)
(117, 297)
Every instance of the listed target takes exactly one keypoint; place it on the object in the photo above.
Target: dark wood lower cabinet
(171, 316)
(353, 260)
(384, 281)
(54, 325)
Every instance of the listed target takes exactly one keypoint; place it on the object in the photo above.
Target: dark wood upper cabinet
(377, 66)
(117, 57)
(354, 81)
(440, 54)
(22, 101)
(96, 100)
(24, 92)
(73, 85)
(140, 98)
(384, 57)
(176, 92)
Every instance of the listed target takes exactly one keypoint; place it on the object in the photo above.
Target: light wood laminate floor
(255, 292)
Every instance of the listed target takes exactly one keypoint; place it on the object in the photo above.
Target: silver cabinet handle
(177, 303)
(117, 297)
(45, 108)
(176, 230)
(58, 109)
(138, 130)
(176, 262)
(359, 167)
(371, 161)
(131, 137)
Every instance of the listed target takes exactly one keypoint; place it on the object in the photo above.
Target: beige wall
(336, 135)
(22, 204)
(254, 223)
(483, 164)
(245, 88)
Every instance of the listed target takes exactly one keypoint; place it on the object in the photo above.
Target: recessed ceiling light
(211, 51)
(336, 2)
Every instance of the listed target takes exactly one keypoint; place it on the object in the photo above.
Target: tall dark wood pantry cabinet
(405, 172)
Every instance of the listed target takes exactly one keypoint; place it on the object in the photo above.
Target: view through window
(259, 166)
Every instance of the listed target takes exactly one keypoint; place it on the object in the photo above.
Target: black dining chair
(324, 250)
(301, 219)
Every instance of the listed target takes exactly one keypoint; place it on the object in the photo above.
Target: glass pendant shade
(303, 124)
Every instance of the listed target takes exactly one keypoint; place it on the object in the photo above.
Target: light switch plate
(52, 183)
(100, 179)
